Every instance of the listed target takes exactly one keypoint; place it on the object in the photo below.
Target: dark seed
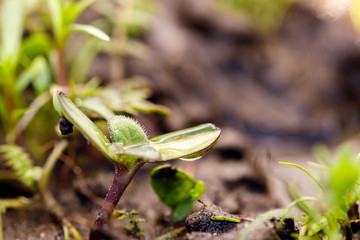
(65, 126)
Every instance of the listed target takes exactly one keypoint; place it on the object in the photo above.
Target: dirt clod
(201, 221)
(287, 229)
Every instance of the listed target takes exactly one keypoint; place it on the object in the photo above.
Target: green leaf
(143, 152)
(188, 144)
(182, 210)
(12, 21)
(176, 189)
(345, 172)
(16, 157)
(304, 170)
(56, 19)
(94, 104)
(34, 45)
(293, 204)
(260, 220)
(91, 30)
(34, 107)
(65, 107)
(37, 72)
(84, 59)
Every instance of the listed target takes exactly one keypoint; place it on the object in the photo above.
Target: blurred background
(285, 71)
(282, 72)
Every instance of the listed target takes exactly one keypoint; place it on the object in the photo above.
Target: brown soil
(273, 97)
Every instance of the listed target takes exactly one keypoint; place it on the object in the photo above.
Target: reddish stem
(61, 70)
(122, 178)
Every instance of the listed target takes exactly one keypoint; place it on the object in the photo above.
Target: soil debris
(288, 228)
(204, 221)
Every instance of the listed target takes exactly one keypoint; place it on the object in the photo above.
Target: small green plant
(176, 189)
(329, 214)
(34, 39)
(130, 148)
(63, 15)
(133, 224)
(37, 179)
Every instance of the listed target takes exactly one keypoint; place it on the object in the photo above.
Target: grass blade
(304, 170)
(261, 219)
(293, 204)
(56, 19)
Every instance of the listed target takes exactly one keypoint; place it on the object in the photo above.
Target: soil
(274, 98)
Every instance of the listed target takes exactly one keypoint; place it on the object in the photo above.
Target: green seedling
(130, 148)
(327, 215)
(17, 70)
(133, 224)
(37, 179)
(63, 15)
(176, 189)
(28, 60)
(126, 22)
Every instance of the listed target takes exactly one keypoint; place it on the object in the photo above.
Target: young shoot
(133, 225)
(130, 148)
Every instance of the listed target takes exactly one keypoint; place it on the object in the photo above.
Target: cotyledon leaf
(65, 107)
(188, 144)
(176, 189)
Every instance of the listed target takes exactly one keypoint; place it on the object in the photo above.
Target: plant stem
(61, 70)
(50, 164)
(122, 178)
(46, 195)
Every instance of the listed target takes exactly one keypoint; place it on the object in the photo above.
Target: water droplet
(190, 158)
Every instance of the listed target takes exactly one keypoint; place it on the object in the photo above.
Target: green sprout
(130, 148)
(63, 15)
(133, 224)
(37, 179)
(329, 214)
(176, 189)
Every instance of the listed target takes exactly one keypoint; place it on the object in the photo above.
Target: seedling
(37, 179)
(176, 189)
(133, 224)
(339, 189)
(63, 15)
(130, 148)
